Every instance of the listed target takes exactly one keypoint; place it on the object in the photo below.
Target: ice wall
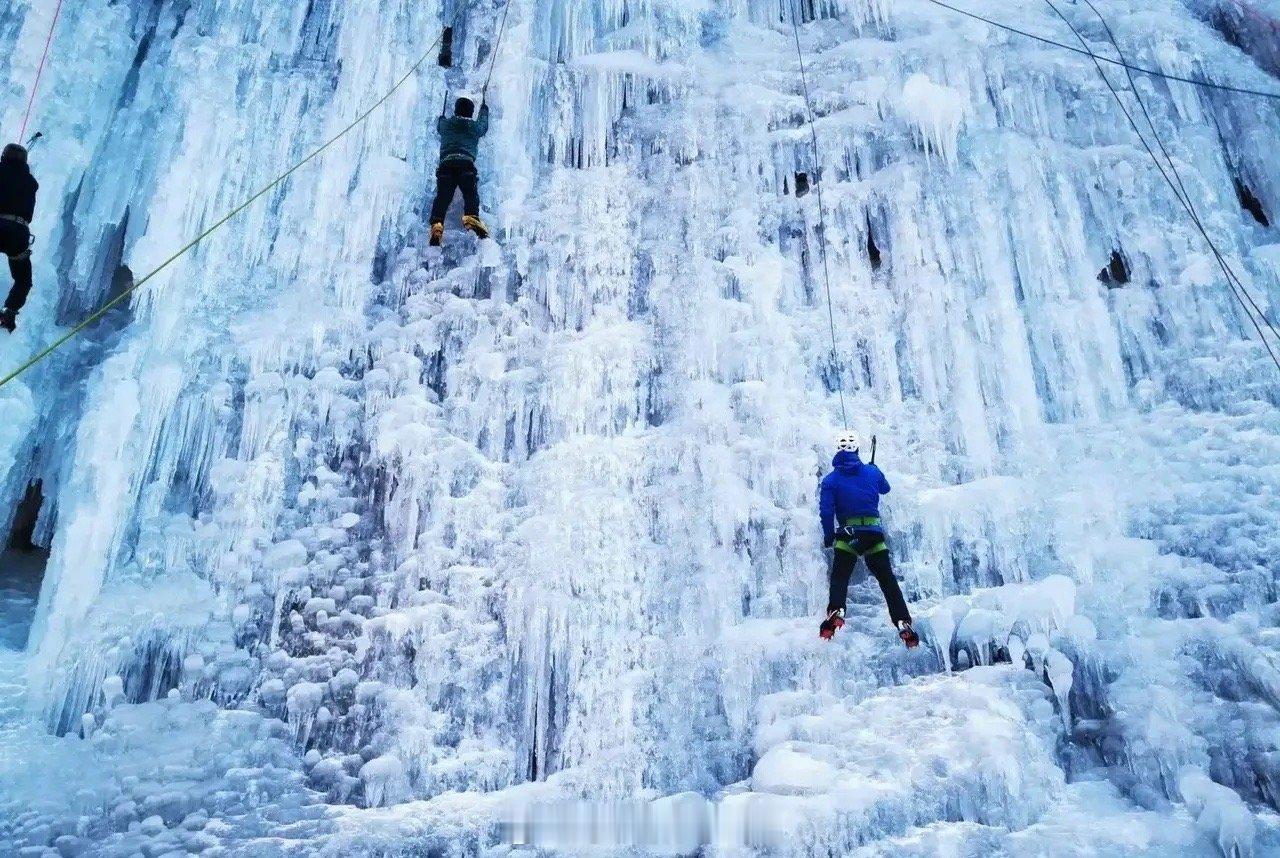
(376, 537)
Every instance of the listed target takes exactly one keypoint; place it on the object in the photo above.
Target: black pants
(15, 242)
(842, 566)
(451, 176)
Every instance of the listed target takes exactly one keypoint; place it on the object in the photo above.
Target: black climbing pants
(453, 175)
(15, 242)
(842, 566)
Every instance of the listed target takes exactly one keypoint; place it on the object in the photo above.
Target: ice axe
(873, 449)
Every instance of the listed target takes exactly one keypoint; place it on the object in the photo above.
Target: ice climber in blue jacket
(459, 144)
(850, 509)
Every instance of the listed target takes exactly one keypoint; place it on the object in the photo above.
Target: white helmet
(847, 440)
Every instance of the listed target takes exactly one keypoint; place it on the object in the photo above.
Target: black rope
(1122, 63)
(822, 225)
(1181, 185)
(493, 60)
(1179, 189)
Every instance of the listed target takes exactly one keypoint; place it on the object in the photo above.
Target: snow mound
(932, 750)
(936, 112)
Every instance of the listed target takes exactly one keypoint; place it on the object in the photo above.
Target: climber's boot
(437, 234)
(9, 320)
(908, 634)
(834, 621)
(475, 225)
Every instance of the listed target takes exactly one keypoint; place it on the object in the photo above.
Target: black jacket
(17, 190)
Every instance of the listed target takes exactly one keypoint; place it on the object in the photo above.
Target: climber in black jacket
(17, 206)
(459, 144)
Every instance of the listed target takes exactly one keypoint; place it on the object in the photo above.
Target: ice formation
(354, 548)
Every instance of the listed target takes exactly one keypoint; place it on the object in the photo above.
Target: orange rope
(40, 71)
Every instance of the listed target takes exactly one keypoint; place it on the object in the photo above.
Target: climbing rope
(822, 226)
(106, 308)
(1208, 84)
(1186, 196)
(44, 57)
(497, 45)
(1238, 290)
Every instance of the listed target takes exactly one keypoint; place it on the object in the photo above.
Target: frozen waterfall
(326, 544)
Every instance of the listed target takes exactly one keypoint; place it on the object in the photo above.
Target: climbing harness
(25, 254)
(31, 99)
(861, 535)
(186, 248)
(822, 226)
(1237, 287)
(1208, 84)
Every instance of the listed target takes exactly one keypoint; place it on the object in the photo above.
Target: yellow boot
(475, 225)
(437, 234)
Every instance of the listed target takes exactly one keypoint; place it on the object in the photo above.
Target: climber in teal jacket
(849, 506)
(459, 144)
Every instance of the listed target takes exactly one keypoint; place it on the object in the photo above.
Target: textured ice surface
(355, 547)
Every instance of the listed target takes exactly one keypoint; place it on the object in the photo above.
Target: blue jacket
(460, 137)
(851, 490)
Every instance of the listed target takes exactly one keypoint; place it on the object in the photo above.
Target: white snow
(383, 781)
(936, 111)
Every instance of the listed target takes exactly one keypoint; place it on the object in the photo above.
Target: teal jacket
(460, 137)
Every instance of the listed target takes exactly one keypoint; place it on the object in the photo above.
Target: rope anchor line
(497, 46)
(1122, 63)
(1236, 286)
(35, 84)
(822, 224)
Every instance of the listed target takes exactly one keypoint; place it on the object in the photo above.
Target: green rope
(106, 308)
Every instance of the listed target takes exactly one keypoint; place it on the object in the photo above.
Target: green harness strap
(861, 521)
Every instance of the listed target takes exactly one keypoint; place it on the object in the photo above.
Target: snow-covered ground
(357, 548)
